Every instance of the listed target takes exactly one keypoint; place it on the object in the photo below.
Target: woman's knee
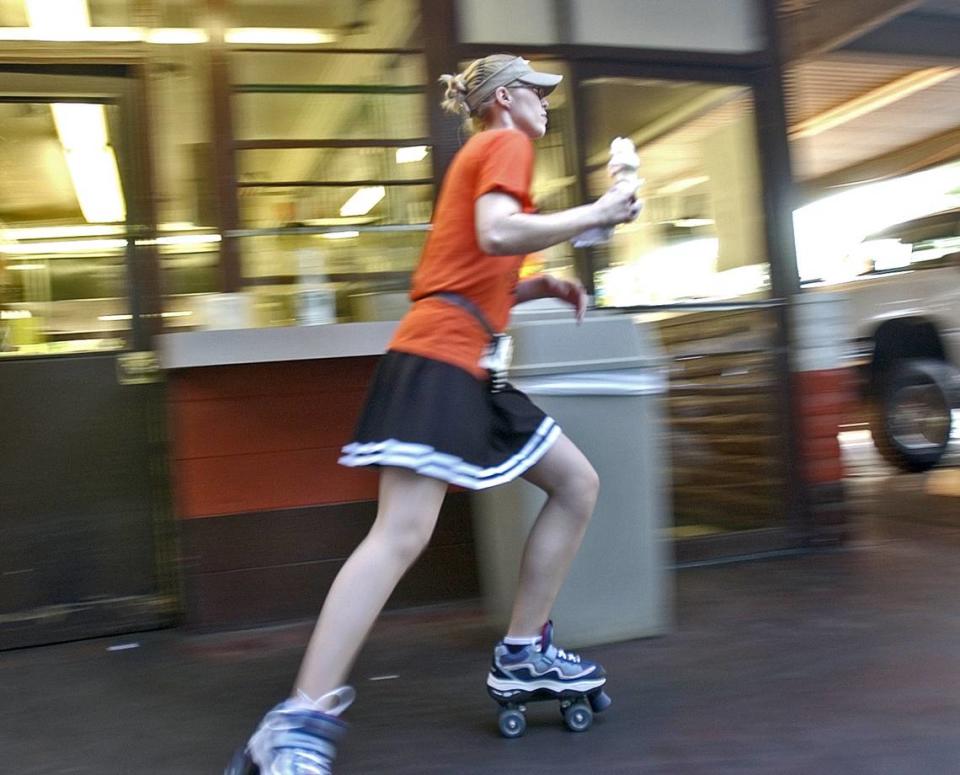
(587, 483)
(405, 535)
(578, 488)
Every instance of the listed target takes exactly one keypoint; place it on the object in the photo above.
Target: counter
(192, 349)
(266, 516)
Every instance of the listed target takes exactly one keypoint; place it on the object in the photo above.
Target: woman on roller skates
(436, 416)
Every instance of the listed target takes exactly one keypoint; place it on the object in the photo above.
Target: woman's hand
(619, 204)
(570, 291)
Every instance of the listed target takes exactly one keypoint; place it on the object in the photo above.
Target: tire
(911, 418)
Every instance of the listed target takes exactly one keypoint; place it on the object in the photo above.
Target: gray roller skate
(298, 737)
(543, 672)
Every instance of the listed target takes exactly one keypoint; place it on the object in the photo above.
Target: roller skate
(298, 737)
(543, 672)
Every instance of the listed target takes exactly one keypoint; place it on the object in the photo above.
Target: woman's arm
(503, 230)
(547, 286)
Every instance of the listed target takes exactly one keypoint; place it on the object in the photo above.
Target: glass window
(700, 236)
(63, 247)
(699, 239)
(554, 174)
(334, 164)
(188, 249)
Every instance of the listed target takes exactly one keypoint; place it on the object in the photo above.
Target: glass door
(85, 532)
(695, 267)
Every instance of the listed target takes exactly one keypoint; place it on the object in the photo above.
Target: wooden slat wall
(726, 469)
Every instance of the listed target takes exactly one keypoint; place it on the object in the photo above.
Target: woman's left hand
(570, 291)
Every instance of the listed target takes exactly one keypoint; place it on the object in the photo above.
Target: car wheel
(911, 420)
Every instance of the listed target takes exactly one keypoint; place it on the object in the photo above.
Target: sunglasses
(541, 94)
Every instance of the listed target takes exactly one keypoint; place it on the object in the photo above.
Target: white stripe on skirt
(427, 461)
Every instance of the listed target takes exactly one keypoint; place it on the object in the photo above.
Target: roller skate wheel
(600, 701)
(578, 717)
(512, 723)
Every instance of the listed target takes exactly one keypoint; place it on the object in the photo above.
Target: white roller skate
(298, 737)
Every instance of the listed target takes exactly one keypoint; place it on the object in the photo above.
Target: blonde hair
(460, 85)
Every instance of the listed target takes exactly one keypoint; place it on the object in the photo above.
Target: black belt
(499, 351)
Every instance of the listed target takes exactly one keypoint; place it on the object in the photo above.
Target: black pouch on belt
(496, 359)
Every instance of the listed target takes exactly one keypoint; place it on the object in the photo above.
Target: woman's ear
(502, 96)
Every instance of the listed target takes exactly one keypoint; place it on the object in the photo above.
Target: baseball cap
(516, 70)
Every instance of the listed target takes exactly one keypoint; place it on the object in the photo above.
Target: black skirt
(441, 421)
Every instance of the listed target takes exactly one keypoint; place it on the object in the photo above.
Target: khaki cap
(515, 71)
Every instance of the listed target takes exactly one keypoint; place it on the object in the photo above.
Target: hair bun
(455, 94)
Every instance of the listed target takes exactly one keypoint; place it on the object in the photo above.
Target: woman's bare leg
(406, 515)
(572, 486)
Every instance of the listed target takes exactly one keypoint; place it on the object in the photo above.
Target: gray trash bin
(603, 383)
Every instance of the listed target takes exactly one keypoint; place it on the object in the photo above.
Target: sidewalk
(846, 662)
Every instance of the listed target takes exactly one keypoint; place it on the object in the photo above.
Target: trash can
(603, 383)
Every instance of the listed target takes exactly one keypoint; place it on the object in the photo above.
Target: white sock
(532, 640)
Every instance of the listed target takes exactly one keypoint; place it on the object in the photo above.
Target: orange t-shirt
(452, 261)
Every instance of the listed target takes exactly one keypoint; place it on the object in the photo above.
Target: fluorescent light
(57, 232)
(340, 234)
(411, 154)
(873, 100)
(286, 36)
(176, 36)
(25, 267)
(363, 201)
(177, 226)
(693, 223)
(96, 181)
(69, 246)
(80, 125)
(58, 15)
(15, 314)
(188, 239)
(160, 36)
(82, 129)
(110, 318)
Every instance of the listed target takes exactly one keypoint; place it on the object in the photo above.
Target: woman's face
(529, 110)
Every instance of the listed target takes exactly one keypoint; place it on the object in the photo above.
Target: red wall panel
(266, 436)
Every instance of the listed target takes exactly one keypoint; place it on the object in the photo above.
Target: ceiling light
(57, 232)
(15, 314)
(58, 15)
(25, 267)
(160, 35)
(363, 201)
(340, 234)
(188, 239)
(96, 181)
(873, 100)
(284, 36)
(411, 154)
(80, 125)
(68, 246)
(693, 223)
(176, 36)
(177, 226)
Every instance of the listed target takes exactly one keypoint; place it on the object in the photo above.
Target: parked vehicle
(906, 318)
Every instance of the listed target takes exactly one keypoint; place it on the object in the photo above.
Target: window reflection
(335, 172)
(700, 235)
(62, 261)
